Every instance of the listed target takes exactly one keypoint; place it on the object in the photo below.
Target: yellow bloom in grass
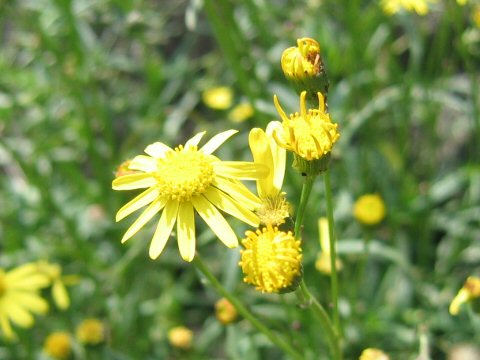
(225, 311)
(303, 60)
(369, 209)
(219, 98)
(470, 291)
(421, 7)
(462, 2)
(58, 345)
(19, 297)
(323, 263)
(59, 283)
(180, 337)
(186, 179)
(241, 112)
(90, 332)
(373, 354)
(274, 208)
(310, 134)
(271, 260)
(476, 16)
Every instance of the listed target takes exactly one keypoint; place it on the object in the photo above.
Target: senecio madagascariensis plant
(373, 354)
(271, 260)
(310, 135)
(369, 209)
(421, 7)
(186, 179)
(470, 292)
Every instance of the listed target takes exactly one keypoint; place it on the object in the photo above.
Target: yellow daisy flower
(19, 297)
(58, 345)
(323, 263)
(186, 179)
(369, 209)
(373, 354)
(271, 260)
(219, 98)
(90, 332)
(421, 7)
(265, 151)
(469, 292)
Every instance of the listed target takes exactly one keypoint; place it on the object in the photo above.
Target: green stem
(242, 310)
(319, 311)
(333, 250)
(306, 190)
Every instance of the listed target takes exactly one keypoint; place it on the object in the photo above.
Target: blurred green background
(87, 84)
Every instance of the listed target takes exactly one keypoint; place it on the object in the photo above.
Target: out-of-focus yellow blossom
(219, 98)
(180, 337)
(90, 332)
(303, 60)
(58, 345)
(186, 179)
(225, 311)
(19, 297)
(124, 170)
(310, 135)
(373, 354)
(470, 291)
(59, 283)
(421, 7)
(476, 16)
(241, 112)
(274, 208)
(271, 260)
(462, 2)
(323, 263)
(369, 209)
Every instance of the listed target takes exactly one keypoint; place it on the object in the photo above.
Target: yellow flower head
(369, 209)
(58, 345)
(225, 311)
(186, 179)
(373, 354)
(180, 337)
(90, 332)
(241, 112)
(19, 297)
(303, 60)
(394, 6)
(476, 16)
(470, 291)
(323, 263)
(271, 260)
(274, 208)
(310, 134)
(219, 98)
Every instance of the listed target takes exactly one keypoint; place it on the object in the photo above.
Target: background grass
(88, 84)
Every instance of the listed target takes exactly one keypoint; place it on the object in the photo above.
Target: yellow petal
(260, 148)
(215, 142)
(22, 271)
(215, 221)
(31, 301)
(225, 203)
(32, 282)
(143, 163)
(60, 295)
(186, 231)
(324, 234)
(133, 181)
(164, 229)
(279, 155)
(303, 108)
(194, 140)
(238, 191)
(6, 327)
(462, 297)
(157, 149)
(19, 315)
(146, 215)
(138, 202)
(279, 109)
(241, 170)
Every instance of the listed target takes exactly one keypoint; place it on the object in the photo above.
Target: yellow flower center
(273, 210)
(271, 259)
(3, 285)
(184, 173)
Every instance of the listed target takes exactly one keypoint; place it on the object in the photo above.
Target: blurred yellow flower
(323, 263)
(182, 180)
(225, 311)
(59, 282)
(219, 98)
(19, 297)
(123, 169)
(369, 209)
(476, 16)
(58, 345)
(241, 112)
(90, 332)
(303, 60)
(271, 260)
(274, 208)
(462, 2)
(180, 337)
(310, 134)
(470, 291)
(421, 7)
(373, 354)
